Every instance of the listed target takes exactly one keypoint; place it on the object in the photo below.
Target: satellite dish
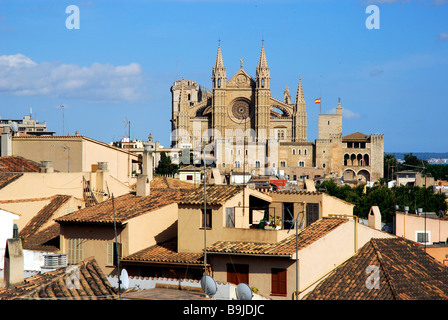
(243, 291)
(209, 286)
(124, 278)
(14, 126)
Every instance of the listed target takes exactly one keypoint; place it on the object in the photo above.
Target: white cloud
(443, 36)
(19, 75)
(346, 113)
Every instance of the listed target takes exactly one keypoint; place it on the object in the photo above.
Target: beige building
(72, 154)
(244, 128)
(428, 230)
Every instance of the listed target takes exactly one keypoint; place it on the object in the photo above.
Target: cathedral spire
(262, 63)
(219, 71)
(219, 63)
(263, 74)
(300, 98)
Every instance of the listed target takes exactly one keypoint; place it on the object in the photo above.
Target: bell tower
(262, 97)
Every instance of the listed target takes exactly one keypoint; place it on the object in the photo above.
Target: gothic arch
(349, 174)
(363, 175)
(286, 112)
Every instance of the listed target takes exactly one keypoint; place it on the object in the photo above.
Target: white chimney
(375, 218)
(14, 262)
(143, 185)
(6, 143)
(147, 160)
(101, 176)
(46, 166)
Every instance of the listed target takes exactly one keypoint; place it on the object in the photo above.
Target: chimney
(101, 184)
(147, 160)
(46, 167)
(14, 262)
(6, 143)
(143, 186)
(375, 218)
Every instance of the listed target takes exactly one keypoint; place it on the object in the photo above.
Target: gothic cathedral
(247, 130)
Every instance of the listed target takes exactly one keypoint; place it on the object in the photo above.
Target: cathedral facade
(238, 126)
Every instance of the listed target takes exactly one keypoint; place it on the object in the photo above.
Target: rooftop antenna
(128, 124)
(116, 249)
(61, 106)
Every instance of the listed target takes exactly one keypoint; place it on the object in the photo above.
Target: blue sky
(122, 61)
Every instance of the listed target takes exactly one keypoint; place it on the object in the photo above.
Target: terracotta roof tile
(126, 206)
(84, 281)
(356, 136)
(165, 252)
(18, 164)
(286, 247)
(405, 272)
(8, 177)
(44, 215)
(216, 194)
(46, 240)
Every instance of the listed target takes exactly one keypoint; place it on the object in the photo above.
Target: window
(189, 177)
(237, 273)
(305, 152)
(423, 237)
(312, 213)
(282, 164)
(293, 151)
(112, 255)
(75, 248)
(237, 164)
(301, 164)
(257, 164)
(208, 218)
(230, 217)
(278, 283)
(294, 177)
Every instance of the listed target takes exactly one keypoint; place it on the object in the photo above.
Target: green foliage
(165, 165)
(386, 198)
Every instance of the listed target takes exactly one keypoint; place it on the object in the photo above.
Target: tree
(165, 165)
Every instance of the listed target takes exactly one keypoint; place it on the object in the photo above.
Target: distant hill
(421, 155)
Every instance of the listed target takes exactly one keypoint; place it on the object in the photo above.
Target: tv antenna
(62, 107)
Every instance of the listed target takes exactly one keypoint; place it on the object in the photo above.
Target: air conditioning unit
(54, 261)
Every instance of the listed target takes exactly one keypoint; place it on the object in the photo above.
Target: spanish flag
(317, 101)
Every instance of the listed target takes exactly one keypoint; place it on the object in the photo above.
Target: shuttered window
(312, 213)
(230, 217)
(75, 250)
(278, 286)
(112, 258)
(237, 273)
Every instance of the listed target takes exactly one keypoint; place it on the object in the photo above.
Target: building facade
(239, 126)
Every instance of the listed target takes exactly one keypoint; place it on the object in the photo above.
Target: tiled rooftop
(216, 194)
(405, 272)
(8, 177)
(46, 240)
(43, 216)
(126, 207)
(286, 247)
(18, 164)
(165, 252)
(84, 281)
